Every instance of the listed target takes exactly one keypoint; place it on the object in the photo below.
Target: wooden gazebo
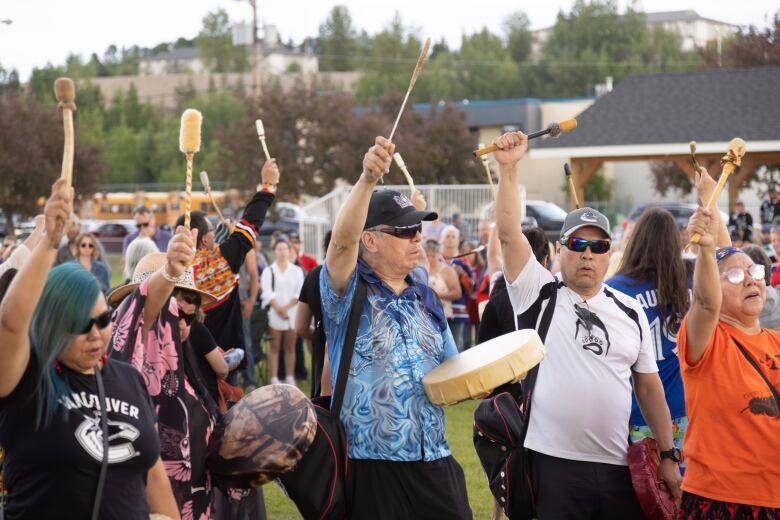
(653, 118)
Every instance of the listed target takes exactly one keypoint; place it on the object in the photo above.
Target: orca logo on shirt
(594, 337)
(90, 436)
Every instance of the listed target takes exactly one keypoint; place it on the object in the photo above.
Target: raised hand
(376, 162)
(57, 211)
(511, 147)
(418, 200)
(703, 223)
(181, 251)
(270, 172)
(705, 185)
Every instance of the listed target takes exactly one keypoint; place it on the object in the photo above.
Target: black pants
(572, 489)
(389, 490)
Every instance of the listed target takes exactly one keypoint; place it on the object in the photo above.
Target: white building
(696, 31)
(274, 59)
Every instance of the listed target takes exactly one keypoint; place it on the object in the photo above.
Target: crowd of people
(109, 396)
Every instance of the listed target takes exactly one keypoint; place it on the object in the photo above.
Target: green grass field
(459, 431)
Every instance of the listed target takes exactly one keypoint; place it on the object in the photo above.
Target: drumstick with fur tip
(261, 136)
(65, 91)
(204, 179)
(189, 144)
(554, 129)
(402, 165)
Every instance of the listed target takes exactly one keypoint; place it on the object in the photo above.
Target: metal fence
(470, 200)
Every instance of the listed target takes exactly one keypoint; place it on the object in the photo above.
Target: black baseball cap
(393, 208)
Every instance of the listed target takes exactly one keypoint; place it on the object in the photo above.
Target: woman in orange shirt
(731, 371)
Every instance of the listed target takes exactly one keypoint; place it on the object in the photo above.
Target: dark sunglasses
(102, 321)
(406, 232)
(188, 318)
(91, 246)
(142, 225)
(578, 245)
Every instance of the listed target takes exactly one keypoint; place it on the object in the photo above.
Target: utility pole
(256, 79)
(255, 54)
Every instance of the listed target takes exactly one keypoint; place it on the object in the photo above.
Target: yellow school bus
(167, 206)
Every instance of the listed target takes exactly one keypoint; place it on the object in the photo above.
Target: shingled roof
(709, 106)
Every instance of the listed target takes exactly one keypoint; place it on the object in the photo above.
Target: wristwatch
(675, 454)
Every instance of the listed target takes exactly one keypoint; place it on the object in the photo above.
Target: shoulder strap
(349, 347)
(625, 308)
(753, 363)
(544, 326)
(104, 428)
(273, 280)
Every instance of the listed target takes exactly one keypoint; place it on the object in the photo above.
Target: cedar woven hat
(149, 265)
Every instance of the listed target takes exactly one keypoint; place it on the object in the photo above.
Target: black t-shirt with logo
(53, 472)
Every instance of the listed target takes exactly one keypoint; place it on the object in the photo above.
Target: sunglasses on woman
(406, 232)
(90, 246)
(578, 245)
(736, 275)
(188, 318)
(102, 321)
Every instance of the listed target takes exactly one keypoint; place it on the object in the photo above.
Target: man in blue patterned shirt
(400, 463)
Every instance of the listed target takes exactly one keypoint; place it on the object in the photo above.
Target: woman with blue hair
(78, 432)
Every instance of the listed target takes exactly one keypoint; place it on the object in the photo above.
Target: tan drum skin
(475, 373)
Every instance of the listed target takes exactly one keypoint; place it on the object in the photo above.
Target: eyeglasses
(736, 275)
(90, 246)
(102, 321)
(142, 225)
(578, 245)
(406, 232)
(188, 318)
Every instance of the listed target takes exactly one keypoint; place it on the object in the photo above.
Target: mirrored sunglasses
(102, 321)
(578, 245)
(736, 275)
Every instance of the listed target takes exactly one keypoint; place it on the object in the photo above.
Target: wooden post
(582, 171)
(746, 170)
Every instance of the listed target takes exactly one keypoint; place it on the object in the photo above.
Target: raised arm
(706, 302)
(181, 252)
(242, 239)
(18, 306)
(516, 251)
(343, 250)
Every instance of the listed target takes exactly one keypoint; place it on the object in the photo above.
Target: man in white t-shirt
(598, 341)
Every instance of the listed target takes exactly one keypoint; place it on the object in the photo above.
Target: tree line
(318, 138)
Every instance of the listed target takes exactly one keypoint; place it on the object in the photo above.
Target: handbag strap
(530, 380)
(753, 363)
(104, 428)
(348, 348)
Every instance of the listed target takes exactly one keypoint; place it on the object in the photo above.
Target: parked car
(112, 234)
(549, 216)
(285, 217)
(681, 211)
